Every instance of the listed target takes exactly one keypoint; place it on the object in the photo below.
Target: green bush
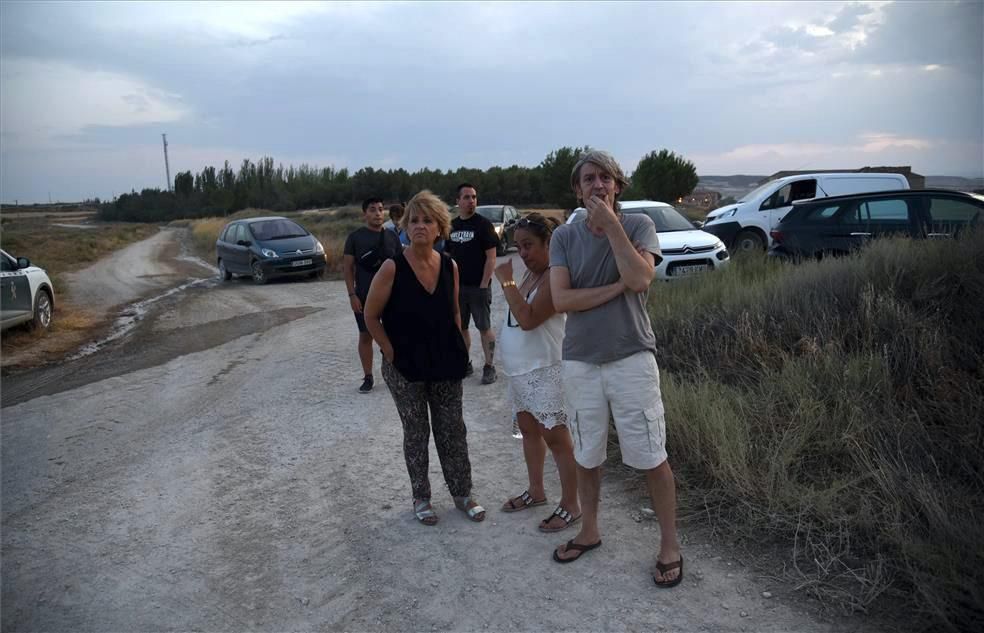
(838, 405)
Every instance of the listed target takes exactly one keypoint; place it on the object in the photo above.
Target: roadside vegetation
(222, 191)
(63, 249)
(836, 408)
(58, 250)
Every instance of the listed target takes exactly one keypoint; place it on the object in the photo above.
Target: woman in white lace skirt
(530, 353)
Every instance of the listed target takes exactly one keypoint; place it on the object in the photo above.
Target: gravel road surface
(217, 470)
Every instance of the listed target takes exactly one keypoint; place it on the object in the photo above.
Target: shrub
(838, 405)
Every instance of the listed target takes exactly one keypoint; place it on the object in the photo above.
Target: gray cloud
(445, 85)
(849, 17)
(923, 33)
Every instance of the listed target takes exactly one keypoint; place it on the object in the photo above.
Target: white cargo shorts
(625, 390)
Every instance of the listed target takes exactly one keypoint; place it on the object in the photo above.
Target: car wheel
(42, 311)
(259, 277)
(224, 273)
(749, 242)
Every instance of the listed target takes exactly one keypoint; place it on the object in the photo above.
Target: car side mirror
(23, 262)
(698, 224)
(511, 222)
(243, 243)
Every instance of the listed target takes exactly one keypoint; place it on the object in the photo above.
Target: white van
(745, 225)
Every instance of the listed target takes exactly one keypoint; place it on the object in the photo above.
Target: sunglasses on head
(523, 222)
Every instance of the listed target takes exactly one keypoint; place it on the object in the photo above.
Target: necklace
(536, 282)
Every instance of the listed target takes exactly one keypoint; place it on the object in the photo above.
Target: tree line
(659, 175)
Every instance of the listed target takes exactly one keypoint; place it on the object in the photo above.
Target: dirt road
(216, 470)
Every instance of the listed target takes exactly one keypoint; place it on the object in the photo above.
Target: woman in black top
(412, 313)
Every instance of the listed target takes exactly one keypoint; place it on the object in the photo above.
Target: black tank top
(427, 344)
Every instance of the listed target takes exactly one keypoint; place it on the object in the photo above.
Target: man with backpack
(365, 250)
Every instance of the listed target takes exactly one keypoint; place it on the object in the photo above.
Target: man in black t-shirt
(472, 245)
(365, 251)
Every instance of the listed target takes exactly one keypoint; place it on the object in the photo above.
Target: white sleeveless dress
(532, 362)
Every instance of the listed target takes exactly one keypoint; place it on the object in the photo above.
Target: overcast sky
(738, 88)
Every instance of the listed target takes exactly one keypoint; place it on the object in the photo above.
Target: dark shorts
(475, 303)
(360, 319)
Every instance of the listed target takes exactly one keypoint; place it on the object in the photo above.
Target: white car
(686, 249)
(26, 293)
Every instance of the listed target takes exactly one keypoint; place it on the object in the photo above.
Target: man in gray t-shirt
(600, 274)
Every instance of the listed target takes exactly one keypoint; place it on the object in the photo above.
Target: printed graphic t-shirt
(467, 245)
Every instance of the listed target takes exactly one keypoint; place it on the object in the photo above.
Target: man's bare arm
(567, 299)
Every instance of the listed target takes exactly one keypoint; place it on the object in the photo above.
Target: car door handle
(860, 234)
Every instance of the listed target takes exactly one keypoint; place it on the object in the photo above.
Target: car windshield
(756, 191)
(276, 230)
(492, 214)
(666, 219)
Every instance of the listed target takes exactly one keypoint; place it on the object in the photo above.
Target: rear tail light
(776, 236)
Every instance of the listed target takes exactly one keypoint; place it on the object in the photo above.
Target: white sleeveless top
(524, 351)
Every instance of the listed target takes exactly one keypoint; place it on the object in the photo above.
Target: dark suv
(268, 247)
(841, 224)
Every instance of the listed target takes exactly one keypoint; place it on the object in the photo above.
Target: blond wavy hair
(427, 204)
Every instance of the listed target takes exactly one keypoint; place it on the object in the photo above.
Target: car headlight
(318, 248)
(731, 213)
(266, 252)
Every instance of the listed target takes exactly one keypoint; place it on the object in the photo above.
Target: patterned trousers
(444, 399)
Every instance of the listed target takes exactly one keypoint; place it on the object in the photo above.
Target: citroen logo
(687, 250)
(298, 251)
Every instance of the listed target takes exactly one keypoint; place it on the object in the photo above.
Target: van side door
(776, 206)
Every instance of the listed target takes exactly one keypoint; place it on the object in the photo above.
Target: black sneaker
(469, 370)
(488, 375)
(366, 384)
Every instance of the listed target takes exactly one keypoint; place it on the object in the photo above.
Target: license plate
(681, 271)
(301, 262)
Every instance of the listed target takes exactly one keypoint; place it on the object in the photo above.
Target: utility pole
(167, 167)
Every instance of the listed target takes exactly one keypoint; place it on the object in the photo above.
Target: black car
(268, 247)
(841, 224)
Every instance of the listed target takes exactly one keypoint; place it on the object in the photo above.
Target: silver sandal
(473, 512)
(424, 511)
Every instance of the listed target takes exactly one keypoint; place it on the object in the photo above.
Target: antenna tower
(167, 167)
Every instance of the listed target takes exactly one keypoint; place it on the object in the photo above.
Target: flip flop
(569, 520)
(525, 501)
(665, 567)
(581, 549)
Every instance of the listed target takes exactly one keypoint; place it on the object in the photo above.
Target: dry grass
(71, 327)
(58, 250)
(836, 406)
